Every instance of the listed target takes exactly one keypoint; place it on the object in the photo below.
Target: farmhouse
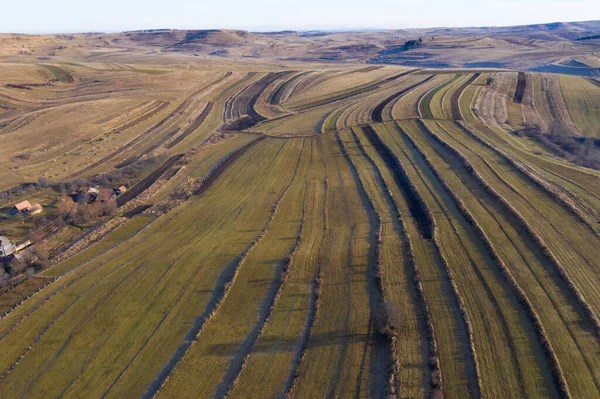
(7, 247)
(22, 206)
(26, 207)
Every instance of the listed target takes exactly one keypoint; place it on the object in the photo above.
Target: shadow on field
(222, 282)
(266, 345)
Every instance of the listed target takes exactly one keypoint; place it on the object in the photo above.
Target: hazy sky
(45, 16)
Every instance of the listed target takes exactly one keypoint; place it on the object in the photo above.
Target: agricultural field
(297, 229)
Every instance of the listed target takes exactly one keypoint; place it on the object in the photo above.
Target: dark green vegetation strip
(424, 106)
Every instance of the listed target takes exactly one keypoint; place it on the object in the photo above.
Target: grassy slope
(570, 333)
(271, 360)
(581, 184)
(338, 356)
(572, 243)
(222, 338)
(407, 107)
(583, 101)
(399, 287)
(181, 277)
(114, 238)
(482, 287)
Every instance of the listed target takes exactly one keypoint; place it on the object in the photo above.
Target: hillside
(300, 214)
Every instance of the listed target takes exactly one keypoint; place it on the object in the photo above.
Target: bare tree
(559, 132)
(387, 319)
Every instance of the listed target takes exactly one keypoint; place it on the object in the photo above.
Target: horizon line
(273, 29)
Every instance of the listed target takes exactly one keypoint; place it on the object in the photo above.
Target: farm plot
(433, 99)
(450, 343)
(337, 357)
(306, 231)
(570, 241)
(230, 334)
(281, 345)
(525, 259)
(345, 94)
(163, 302)
(408, 106)
(582, 99)
(478, 281)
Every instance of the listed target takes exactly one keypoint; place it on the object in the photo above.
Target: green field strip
(111, 240)
(445, 103)
(408, 106)
(481, 287)
(337, 359)
(571, 242)
(385, 374)
(159, 266)
(469, 98)
(412, 350)
(271, 360)
(452, 340)
(571, 335)
(428, 103)
(582, 98)
(219, 344)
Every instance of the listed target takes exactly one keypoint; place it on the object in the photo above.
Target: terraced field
(306, 231)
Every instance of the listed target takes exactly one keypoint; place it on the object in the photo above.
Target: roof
(6, 247)
(92, 190)
(21, 206)
(122, 189)
(37, 208)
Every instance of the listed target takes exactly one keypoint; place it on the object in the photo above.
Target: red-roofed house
(22, 206)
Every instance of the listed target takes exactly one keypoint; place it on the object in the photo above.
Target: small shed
(35, 209)
(22, 206)
(121, 190)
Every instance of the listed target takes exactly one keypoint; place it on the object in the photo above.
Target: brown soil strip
(137, 210)
(243, 103)
(277, 94)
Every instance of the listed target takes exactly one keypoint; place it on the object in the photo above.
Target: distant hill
(569, 47)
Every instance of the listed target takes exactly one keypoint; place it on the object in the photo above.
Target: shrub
(387, 319)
